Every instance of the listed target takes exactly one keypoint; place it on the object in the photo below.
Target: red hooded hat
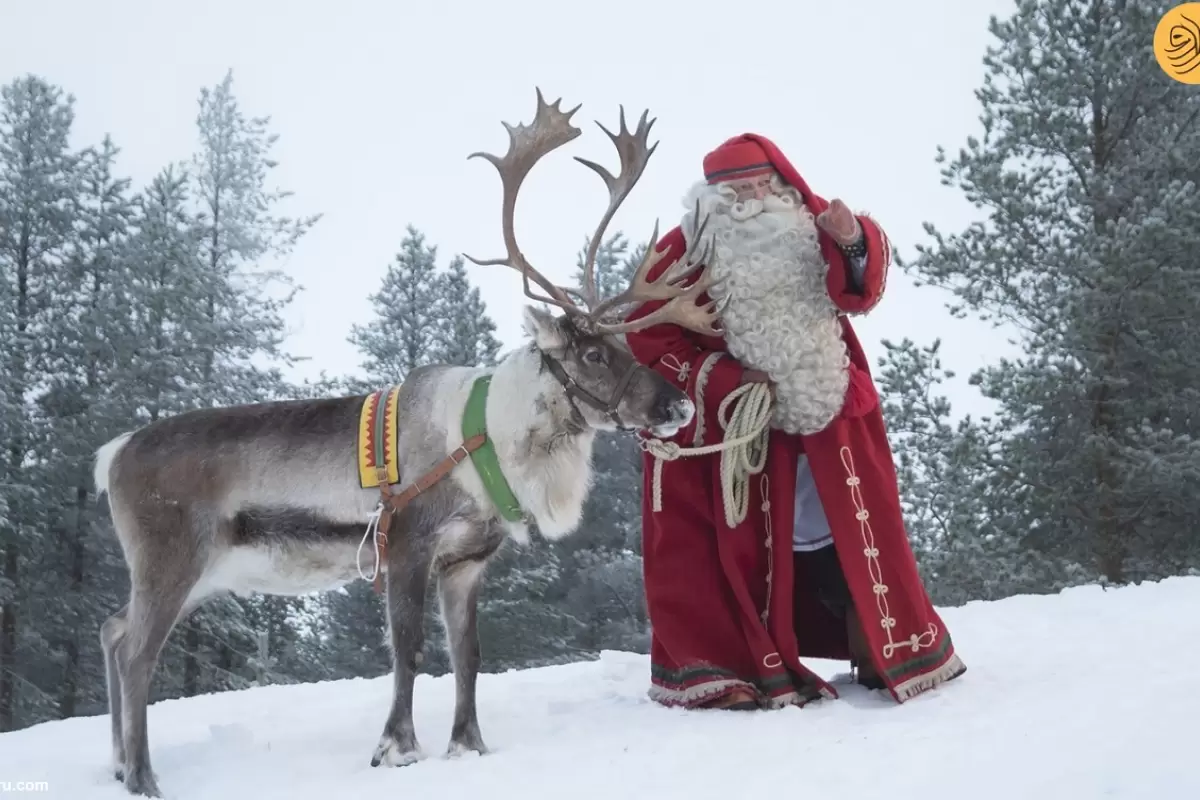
(750, 154)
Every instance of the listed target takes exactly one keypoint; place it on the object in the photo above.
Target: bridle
(577, 392)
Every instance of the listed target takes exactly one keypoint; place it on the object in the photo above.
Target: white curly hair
(778, 316)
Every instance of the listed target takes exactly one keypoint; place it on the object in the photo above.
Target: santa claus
(731, 619)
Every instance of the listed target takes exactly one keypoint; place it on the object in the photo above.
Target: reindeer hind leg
(111, 634)
(165, 579)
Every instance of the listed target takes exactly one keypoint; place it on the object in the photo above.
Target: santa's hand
(839, 222)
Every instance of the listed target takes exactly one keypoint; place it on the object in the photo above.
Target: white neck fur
(547, 461)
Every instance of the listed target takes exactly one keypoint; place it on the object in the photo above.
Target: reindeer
(266, 498)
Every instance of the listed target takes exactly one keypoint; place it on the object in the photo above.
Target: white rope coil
(743, 448)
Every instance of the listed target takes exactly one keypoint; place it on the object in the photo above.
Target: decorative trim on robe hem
(700, 684)
(916, 641)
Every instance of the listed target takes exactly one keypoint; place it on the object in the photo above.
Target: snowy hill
(1089, 694)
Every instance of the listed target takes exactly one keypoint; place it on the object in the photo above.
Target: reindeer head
(582, 347)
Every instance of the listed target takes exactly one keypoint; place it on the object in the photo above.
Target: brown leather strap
(439, 471)
(395, 501)
(381, 534)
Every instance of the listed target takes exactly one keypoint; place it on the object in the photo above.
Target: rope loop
(745, 417)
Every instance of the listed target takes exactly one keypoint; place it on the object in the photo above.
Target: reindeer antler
(527, 144)
(635, 151)
(680, 308)
(551, 128)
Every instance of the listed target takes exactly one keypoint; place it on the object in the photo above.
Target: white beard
(778, 316)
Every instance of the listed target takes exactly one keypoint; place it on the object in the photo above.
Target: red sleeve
(845, 294)
(707, 375)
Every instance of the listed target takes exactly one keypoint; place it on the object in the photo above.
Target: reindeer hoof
(391, 753)
(457, 749)
(141, 784)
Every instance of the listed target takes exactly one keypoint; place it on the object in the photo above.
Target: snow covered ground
(1089, 694)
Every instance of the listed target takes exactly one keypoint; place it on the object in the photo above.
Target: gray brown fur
(266, 498)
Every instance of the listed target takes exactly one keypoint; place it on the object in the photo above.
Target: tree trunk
(1110, 547)
(69, 696)
(191, 663)
(16, 455)
(8, 643)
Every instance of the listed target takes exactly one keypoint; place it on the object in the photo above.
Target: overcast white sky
(378, 105)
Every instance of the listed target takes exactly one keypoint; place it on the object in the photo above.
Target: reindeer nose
(682, 410)
(671, 407)
(672, 412)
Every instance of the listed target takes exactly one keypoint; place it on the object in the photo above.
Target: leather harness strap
(395, 501)
(575, 391)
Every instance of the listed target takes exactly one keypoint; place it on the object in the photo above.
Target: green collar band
(486, 462)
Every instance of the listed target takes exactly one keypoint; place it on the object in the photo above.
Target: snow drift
(1082, 695)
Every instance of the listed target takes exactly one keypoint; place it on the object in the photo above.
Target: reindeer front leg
(458, 586)
(410, 554)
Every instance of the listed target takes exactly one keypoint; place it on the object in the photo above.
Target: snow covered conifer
(1087, 172)
(38, 192)
(468, 335)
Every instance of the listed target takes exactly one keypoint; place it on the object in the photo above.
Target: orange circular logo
(1177, 43)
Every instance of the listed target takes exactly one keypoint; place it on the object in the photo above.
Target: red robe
(709, 586)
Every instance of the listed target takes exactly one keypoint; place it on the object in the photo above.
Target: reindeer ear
(543, 328)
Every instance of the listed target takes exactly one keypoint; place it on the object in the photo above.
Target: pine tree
(468, 335)
(80, 412)
(239, 232)
(37, 201)
(405, 329)
(947, 492)
(164, 294)
(1087, 169)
